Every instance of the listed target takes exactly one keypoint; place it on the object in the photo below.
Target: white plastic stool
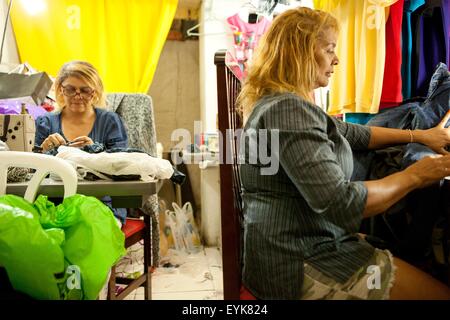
(43, 164)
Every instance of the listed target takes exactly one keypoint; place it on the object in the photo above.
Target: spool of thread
(23, 109)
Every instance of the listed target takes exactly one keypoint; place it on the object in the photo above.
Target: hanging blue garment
(359, 118)
(409, 7)
(430, 37)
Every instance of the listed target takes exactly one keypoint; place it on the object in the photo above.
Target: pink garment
(250, 32)
(257, 28)
(246, 38)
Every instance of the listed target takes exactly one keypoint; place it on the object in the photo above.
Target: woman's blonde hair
(284, 61)
(86, 72)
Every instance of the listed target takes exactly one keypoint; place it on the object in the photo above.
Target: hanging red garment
(391, 94)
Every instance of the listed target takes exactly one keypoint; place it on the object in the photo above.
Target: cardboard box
(17, 131)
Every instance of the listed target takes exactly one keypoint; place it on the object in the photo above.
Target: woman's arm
(383, 193)
(382, 137)
(436, 138)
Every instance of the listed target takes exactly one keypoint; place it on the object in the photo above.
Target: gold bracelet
(411, 136)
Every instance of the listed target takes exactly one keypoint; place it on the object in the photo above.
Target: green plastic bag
(31, 256)
(91, 242)
(93, 239)
(19, 202)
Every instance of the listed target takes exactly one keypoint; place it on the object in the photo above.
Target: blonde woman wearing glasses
(80, 119)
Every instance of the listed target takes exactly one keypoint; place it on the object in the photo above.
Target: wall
(216, 35)
(175, 89)
(175, 93)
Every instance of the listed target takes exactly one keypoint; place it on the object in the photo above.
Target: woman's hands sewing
(80, 142)
(52, 141)
(437, 138)
(55, 140)
(429, 170)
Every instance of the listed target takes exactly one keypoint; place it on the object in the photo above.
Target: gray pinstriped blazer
(309, 210)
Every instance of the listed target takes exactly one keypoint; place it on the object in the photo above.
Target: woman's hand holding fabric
(80, 142)
(429, 170)
(52, 141)
(437, 138)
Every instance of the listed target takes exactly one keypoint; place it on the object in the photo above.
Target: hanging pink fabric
(248, 34)
(257, 28)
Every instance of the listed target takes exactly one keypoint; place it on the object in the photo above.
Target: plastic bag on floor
(183, 229)
(131, 266)
(58, 252)
(163, 240)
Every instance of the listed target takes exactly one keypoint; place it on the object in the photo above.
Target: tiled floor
(188, 277)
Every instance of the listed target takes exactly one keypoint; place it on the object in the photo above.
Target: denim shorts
(373, 281)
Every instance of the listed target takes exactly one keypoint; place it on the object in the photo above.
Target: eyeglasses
(85, 92)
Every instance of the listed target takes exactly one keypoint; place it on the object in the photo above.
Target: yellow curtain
(123, 39)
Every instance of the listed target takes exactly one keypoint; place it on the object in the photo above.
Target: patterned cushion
(136, 111)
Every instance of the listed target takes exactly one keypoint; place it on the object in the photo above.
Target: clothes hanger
(251, 14)
(267, 7)
(191, 32)
(264, 7)
(249, 5)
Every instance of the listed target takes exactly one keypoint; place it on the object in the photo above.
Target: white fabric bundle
(119, 163)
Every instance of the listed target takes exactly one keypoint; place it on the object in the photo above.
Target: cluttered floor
(181, 276)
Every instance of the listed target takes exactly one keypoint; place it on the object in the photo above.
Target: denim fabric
(414, 152)
(119, 213)
(419, 115)
(438, 78)
(399, 117)
(410, 237)
(430, 113)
